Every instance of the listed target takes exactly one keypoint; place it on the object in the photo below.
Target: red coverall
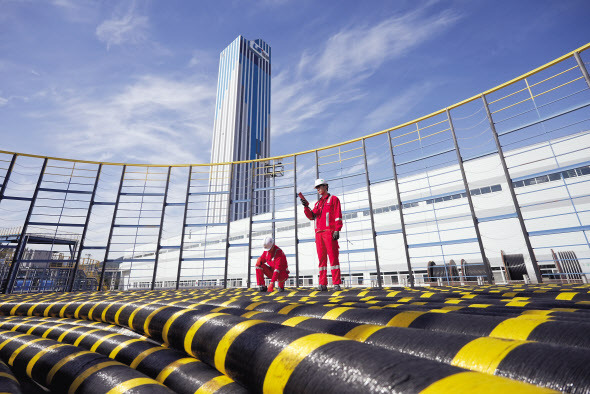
(328, 218)
(273, 264)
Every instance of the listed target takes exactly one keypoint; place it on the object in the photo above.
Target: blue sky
(134, 81)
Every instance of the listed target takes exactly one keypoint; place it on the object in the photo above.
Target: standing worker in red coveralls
(328, 223)
(273, 265)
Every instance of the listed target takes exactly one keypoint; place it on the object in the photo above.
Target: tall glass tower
(242, 127)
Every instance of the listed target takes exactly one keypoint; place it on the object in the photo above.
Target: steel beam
(13, 270)
(401, 212)
(108, 248)
(183, 232)
(72, 278)
(159, 245)
(470, 202)
(372, 216)
(523, 229)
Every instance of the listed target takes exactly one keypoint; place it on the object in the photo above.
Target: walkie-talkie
(303, 198)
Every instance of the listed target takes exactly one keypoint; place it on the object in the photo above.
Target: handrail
(440, 111)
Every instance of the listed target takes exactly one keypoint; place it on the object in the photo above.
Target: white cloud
(333, 74)
(3, 101)
(124, 27)
(359, 51)
(398, 106)
(154, 120)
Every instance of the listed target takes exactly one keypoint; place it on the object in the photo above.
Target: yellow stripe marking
(190, 334)
(288, 359)
(214, 384)
(484, 354)
(93, 308)
(81, 377)
(169, 323)
(62, 362)
(101, 340)
(81, 337)
(148, 320)
(122, 345)
(167, 370)
(510, 294)
(14, 308)
(228, 339)
(31, 309)
(292, 322)
(118, 313)
(128, 385)
(76, 314)
(336, 312)
(62, 311)
(218, 309)
(37, 356)
(518, 327)
(66, 332)
(363, 332)
(313, 293)
(7, 375)
(46, 311)
(20, 349)
(104, 313)
(479, 305)
(566, 296)
(5, 342)
(404, 319)
(393, 293)
(287, 309)
(254, 305)
(135, 311)
(363, 293)
(428, 294)
(475, 382)
(517, 303)
(143, 355)
(46, 333)
(248, 315)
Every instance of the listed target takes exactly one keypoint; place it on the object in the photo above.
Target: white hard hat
(320, 181)
(268, 243)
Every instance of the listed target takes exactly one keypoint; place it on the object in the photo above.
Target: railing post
(372, 216)
(183, 231)
(470, 202)
(582, 68)
(401, 212)
(252, 175)
(525, 233)
(108, 248)
(228, 217)
(295, 205)
(72, 278)
(13, 270)
(7, 176)
(159, 245)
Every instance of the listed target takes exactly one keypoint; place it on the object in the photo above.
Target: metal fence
(491, 189)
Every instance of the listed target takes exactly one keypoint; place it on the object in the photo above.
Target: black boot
(323, 288)
(337, 288)
(281, 289)
(262, 289)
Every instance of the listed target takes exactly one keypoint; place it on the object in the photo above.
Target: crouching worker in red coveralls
(273, 265)
(328, 223)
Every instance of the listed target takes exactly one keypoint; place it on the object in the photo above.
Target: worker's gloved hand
(271, 288)
(259, 261)
(305, 203)
(336, 235)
